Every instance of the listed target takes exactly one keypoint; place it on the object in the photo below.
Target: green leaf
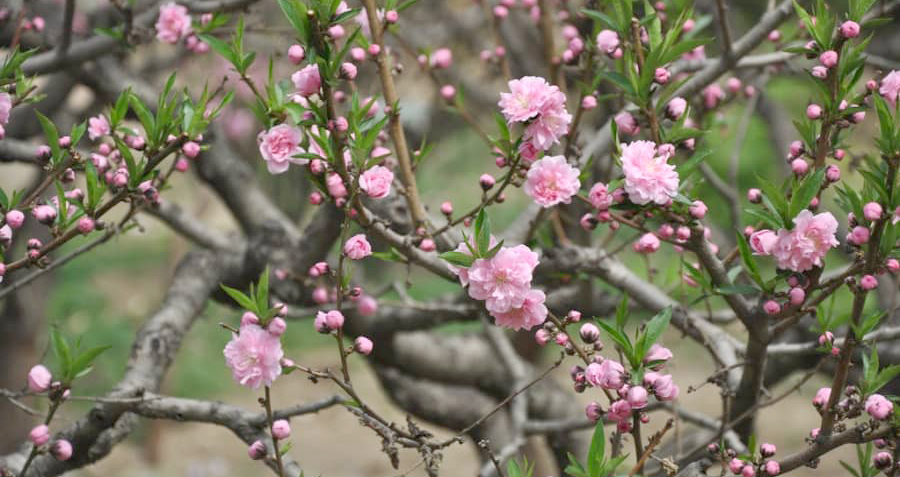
(596, 457)
(748, 260)
(84, 361)
(482, 233)
(262, 291)
(458, 258)
(622, 312)
(240, 298)
(806, 191)
(61, 350)
(655, 328)
(51, 133)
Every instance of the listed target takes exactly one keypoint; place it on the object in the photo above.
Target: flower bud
(542, 336)
(281, 429)
(799, 167)
(883, 460)
(15, 219)
(363, 345)
(767, 450)
(872, 211)
(277, 326)
(249, 318)
(589, 333)
(797, 296)
(593, 411)
(61, 450)
(86, 225)
(850, 29)
(191, 149)
(771, 307)
(813, 111)
(868, 282)
(698, 209)
(296, 54)
(487, 181)
(40, 435)
(39, 378)
(257, 450)
(829, 59)
(44, 214)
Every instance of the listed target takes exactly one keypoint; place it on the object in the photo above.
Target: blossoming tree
(606, 130)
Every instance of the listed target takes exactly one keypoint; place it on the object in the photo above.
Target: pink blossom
(872, 211)
(61, 450)
(648, 177)
(173, 23)
(664, 388)
(281, 429)
(712, 94)
(762, 242)
(363, 345)
(279, 145)
(335, 185)
(5, 107)
(357, 247)
(610, 374)
(890, 87)
(504, 280)
(39, 379)
(307, 81)
(627, 124)
(442, 58)
(850, 29)
(600, 197)
(98, 126)
(822, 397)
(829, 59)
(254, 356)
(367, 305)
(879, 407)
(658, 353)
(607, 41)
(552, 181)
(40, 435)
(648, 243)
(376, 182)
(804, 247)
(676, 107)
(462, 247)
(619, 411)
(532, 313)
(637, 397)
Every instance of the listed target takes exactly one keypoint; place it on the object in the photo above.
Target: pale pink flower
(376, 182)
(98, 126)
(822, 397)
(600, 197)
(525, 99)
(357, 247)
(610, 374)
(664, 387)
(619, 411)
(307, 80)
(5, 107)
(676, 107)
(173, 23)
(658, 353)
(804, 247)
(637, 397)
(607, 41)
(879, 407)
(550, 125)
(279, 145)
(335, 185)
(254, 356)
(504, 280)
(627, 124)
(890, 87)
(552, 181)
(648, 177)
(532, 313)
(762, 242)
(648, 243)
(39, 379)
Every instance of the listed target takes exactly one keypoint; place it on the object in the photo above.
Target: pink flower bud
(682, 233)
(833, 173)
(501, 12)
(249, 318)
(813, 111)
(839, 154)
(43, 151)
(589, 333)
(85, 225)
(39, 378)
(883, 460)
(627, 124)
(448, 92)
(447, 208)
(661, 75)
(676, 107)
(637, 397)
(748, 471)
(363, 345)
(872, 211)
(61, 450)
(648, 243)
(15, 219)
(735, 465)
(850, 29)
(819, 71)
(257, 450)
(334, 319)
(296, 54)
(797, 295)
(593, 411)
(562, 339)
(822, 397)
(733, 84)
(357, 247)
(487, 181)
(879, 407)
(799, 166)
(315, 198)
(892, 264)
(40, 435)
(442, 58)
(698, 209)
(277, 326)
(771, 307)
(859, 235)
(767, 450)
(336, 32)
(829, 59)
(65, 142)
(281, 429)
(191, 149)
(868, 282)
(358, 54)
(348, 71)
(542, 336)
(427, 245)
(773, 36)
(44, 214)
(589, 102)
(754, 195)
(391, 16)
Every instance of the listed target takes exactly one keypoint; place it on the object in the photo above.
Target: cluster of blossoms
(174, 24)
(504, 283)
(630, 397)
(803, 247)
(541, 107)
(749, 466)
(40, 380)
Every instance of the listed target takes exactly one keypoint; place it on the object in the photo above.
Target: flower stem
(269, 419)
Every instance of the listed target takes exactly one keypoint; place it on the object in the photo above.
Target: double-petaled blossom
(879, 407)
(648, 175)
(610, 374)
(803, 247)
(254, 356)
(532, 313)
(541, 105)
(662, 385)
(376, 182)
(307, 81)
(552, 181)
(600, 196)
(504, 280)
(98, 126)
(357, 247)
(173, 24)
(279, 145)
